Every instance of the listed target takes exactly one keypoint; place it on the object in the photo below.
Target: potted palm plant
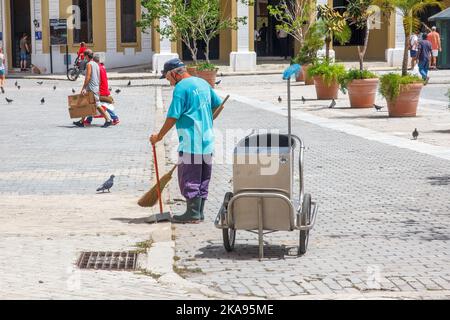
(307, 54)
(326, 77)
(361, 84)
(402, 92)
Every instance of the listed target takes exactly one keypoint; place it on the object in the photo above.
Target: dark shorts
(23, 55)
(413, 53)
(2, 72)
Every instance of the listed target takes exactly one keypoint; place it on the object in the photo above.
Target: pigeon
(377, 107)
(16, 83)
(9, 100)
(332, 104)
(3, 90)
(218, 82)
(279, 99)
(303, 99)
(73, 90)
(108, 184)
(415, 134)
(40, 83)
(18, 87)
(118, 91)
(54, 87)
(42, 101)
(129, 83)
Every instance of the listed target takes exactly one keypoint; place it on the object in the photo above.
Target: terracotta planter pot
(301, 76)
(192, 71)
(209, 76)
(308, 80)
(405, 105)
(362, 92)
(325, 92)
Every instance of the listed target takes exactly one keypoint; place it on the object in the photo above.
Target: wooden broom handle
(157, 179)
(220, 108)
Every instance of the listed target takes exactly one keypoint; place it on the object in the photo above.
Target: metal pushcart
(263, 198)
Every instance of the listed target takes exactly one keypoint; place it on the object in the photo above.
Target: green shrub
(390, 84)
(354, 74)
(206, 66)
(328, 71)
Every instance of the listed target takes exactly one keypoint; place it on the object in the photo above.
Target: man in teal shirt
(191, 110)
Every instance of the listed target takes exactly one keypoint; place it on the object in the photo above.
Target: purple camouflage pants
(194, 174)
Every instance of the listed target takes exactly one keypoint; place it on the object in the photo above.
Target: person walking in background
(24, 50)
(413, 43)
(423, 55)
(283, 38)
(435, 40)
(263, 37)
(92, 84)
(105, 94)
(2, 70)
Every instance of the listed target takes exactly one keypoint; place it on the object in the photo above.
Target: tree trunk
(362, 52)
(405, 53)
(327, 48)
(207, 51)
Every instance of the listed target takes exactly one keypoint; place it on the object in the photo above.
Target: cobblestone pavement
(49, 210)
(383, 226)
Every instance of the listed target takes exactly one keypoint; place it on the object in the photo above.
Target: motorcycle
(77, 69)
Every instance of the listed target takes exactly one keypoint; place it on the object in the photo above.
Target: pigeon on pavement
(18, 87)
(415, 134)
(16, 83)
(279, 99)
(73, 90)
(377, 107)
(9, 100)
(129, 83)
(303, 99)
(40, 82)
(3, 90)
(332, 104)
(218, 82)
(54, 87)
(42, 101)
(118, 91)
(108, 184)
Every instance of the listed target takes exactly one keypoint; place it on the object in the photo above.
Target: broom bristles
(150, 198)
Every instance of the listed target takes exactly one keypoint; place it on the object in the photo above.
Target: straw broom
(150, 198)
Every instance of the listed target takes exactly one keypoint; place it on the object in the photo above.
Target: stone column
(243, 59)
(394, 56)
(37, 56)
(165, 52)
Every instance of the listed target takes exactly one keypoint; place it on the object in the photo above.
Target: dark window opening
(128, 21)
(84, 31)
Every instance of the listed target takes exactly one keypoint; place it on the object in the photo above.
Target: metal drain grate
(125, 260)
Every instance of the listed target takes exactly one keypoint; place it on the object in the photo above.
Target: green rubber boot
(202, 207)
(192, 214)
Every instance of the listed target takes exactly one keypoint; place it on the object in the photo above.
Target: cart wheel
(229, 234)
(305, 218)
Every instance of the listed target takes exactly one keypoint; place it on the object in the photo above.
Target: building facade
(108, 27)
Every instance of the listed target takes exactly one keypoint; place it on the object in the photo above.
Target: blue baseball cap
(170, 65)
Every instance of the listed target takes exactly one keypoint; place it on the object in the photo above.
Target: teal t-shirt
(192, 105)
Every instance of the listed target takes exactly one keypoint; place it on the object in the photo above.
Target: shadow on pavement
(132, 220)
(247, 252)
(441, 131)
(439, 180)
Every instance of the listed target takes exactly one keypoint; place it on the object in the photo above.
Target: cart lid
(265, 143)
